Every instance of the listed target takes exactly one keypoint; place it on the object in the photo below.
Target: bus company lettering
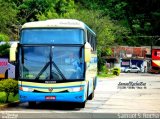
(69, 23)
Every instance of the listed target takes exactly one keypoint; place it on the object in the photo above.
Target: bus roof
(57, 23)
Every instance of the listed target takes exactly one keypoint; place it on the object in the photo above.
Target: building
(125, 56)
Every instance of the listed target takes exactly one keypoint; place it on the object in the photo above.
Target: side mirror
(87, 52)
(12, 52)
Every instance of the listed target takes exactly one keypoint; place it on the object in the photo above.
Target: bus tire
(87, 92)
(32, 104)
(91, 96)
(82, 104)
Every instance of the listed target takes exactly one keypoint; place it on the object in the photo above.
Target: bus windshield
(52, 36)
(51, 63)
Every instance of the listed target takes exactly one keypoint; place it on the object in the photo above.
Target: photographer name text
(132, 85)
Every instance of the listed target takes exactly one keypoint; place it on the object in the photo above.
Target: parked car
(123, 69)
(133, 69)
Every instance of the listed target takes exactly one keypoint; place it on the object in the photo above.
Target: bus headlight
(75, 89)
(26, 89)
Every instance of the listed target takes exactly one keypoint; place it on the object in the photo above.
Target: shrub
(105, 69)
(9, 86)
(116, 71)
(4, 50)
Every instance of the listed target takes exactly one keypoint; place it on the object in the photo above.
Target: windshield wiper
(43, 69)
(59, 71)
(46, 66)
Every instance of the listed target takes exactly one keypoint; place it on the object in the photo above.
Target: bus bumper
(58, 97)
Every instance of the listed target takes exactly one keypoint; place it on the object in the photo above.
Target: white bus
(57, 61)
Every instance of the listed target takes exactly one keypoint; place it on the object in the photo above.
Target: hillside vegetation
(116, 22)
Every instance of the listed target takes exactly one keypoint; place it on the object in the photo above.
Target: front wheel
(82, 104)
(91, 96)
(32, 104)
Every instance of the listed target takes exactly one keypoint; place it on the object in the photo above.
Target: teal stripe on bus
(49, 87)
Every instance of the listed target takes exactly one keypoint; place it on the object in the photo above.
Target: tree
(28, 9)
(139, 17)
(8, 16)
(58, 9)
(4, 37)
(4, 48)
(107, 31)
(9, 86)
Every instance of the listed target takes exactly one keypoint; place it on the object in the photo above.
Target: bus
(56, 62)
(155, 61)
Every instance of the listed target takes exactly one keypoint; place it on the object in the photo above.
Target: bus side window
(92, 40)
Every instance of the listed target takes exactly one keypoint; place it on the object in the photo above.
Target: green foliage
(4, 50)
(8, 13)
(139, 18)
(106, 51)
(116, 22)
(106, 31)
(105, 69)
(50, 14)
(28, 9)
(103, 26)
(9, 86)
(116, 71)
(101, 60)
(106, 75)
(58, 9)
(126, 18)
(11, 98)
(105, 72)
(4, 37)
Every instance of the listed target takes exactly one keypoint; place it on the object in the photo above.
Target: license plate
(50, 97)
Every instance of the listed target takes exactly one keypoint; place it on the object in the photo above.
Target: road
(113, 96)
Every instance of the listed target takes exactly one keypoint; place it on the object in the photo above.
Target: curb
(12, 104)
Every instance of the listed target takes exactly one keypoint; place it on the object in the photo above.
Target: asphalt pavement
(128, 95)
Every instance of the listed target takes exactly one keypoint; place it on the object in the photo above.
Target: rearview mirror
(87, 52)
(12, 53)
